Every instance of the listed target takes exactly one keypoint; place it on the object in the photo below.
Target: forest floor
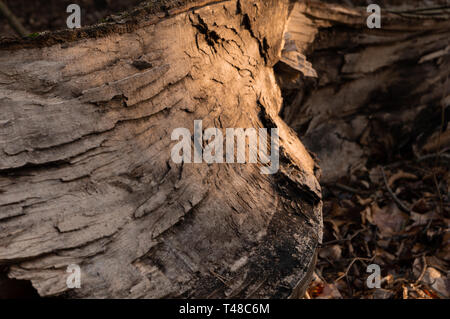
(396, 216)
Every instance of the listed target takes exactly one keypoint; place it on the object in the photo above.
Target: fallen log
(379, 93)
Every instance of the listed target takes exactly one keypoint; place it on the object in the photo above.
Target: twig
(394, 197)
(432, 156)
(348, 238)
(422, 274)
(351, 189)
(220, 278)
(13, 21)
(351, 264)
(440, 155)
(441, 202)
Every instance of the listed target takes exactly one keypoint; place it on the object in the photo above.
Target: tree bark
(85, 170)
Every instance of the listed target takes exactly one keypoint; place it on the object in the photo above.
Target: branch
(13, 21)
(394, 197)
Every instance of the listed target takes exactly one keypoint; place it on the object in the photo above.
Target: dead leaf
(440, 284)
(382, 294)
(445, 252)
(331, 253)
(329, 291)
(437, 141)
(437, 263)
(420, 206)
(385, 255)
(422, 219)
(400, 175)
(364, 201)
(390, 220)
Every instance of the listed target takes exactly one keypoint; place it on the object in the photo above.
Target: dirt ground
(395, 215)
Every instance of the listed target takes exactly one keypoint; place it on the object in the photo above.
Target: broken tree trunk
(378, 92)
(86, 175)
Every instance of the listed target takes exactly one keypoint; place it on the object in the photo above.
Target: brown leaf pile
(396, 217)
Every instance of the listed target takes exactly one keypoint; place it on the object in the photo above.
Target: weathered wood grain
(85, 169)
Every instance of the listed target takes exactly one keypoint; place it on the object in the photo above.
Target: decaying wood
(377, 90)
(85, 171)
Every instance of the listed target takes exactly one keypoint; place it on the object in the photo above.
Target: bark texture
(85, 171)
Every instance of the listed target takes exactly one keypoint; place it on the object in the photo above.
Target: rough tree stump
(85, 170)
